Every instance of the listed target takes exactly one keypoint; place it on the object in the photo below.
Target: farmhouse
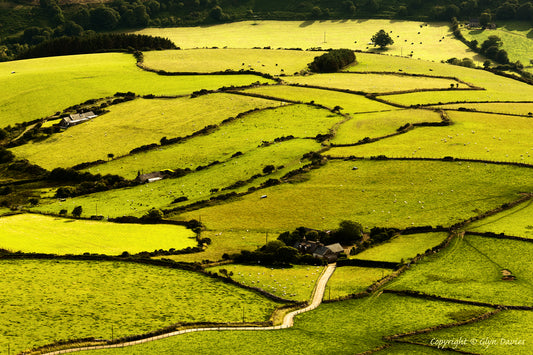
(150, 177)
(77, 118)
(328, 252)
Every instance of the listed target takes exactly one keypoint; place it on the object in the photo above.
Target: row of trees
(96, 43)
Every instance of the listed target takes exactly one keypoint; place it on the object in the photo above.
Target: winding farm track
(288, 320)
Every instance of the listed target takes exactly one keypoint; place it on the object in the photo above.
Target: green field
(508, 332)
(349, 103)
(516, 37)
(450, 192)
(471, 269)
(514, 108)
(346, 327)
(517, 221)
(379, 124)
(54, 300)
(402, 247)
(294, 283)
(195, 186)
(43, 234)
(471, 136)
(348, 280)
(373, 83)
(273, 62)
(229, 242)
(133, 124)
(408, 36)
(54, 83)
(242, 135)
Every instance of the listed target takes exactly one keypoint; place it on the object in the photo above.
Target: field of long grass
(55, 83)
(195, 186)
(471, 269)
(409, 37)
(294, 283)
(516, 37)
(348, 280)
(57, 300)
(379, 124)
(43, 234)
(242, 135)
(135, 123)
(382, 193)
(514, 108)
(517, 221)
(402, 247)
(364, 323)
(508, 332)
(373, 83)
(273, 62)
(471, 136)
(348, 103)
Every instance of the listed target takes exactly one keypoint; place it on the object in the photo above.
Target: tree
(110, 156)
(502, 57)
(76, 212)
(382, 39)
(485, 19)
(348, 233)
(104, 18)
(154, 215)
(491, 41)
(6, 156)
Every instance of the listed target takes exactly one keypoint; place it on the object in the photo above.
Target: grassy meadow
(364, 323)
(243, 135)
(52, 235)
(413, 193)
(470, 136)
(56, 83)
(136, 123)
(402, 247)
(348, 280)
(516, 37)
(349, 103)
(294, 283)
(57, 300)
(513, 108)
(273, 62)
(508, 332)
(195, 186)
(379, 124)
(517, 221)
(46, 301)
(373, 83)
(471, 269)
(409, 37)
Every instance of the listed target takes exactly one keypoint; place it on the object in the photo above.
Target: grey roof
(336, 248)
(321, 250)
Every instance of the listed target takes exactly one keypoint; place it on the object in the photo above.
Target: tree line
(97, 42)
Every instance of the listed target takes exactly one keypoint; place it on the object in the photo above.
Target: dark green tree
(76, 212)
(485, 19)
(104, 18)
(382, 39)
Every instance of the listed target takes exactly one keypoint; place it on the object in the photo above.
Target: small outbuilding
(75, 119)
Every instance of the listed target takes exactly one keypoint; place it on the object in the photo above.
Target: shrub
(332, 61)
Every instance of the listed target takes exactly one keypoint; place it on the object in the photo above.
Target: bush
(332, 61)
